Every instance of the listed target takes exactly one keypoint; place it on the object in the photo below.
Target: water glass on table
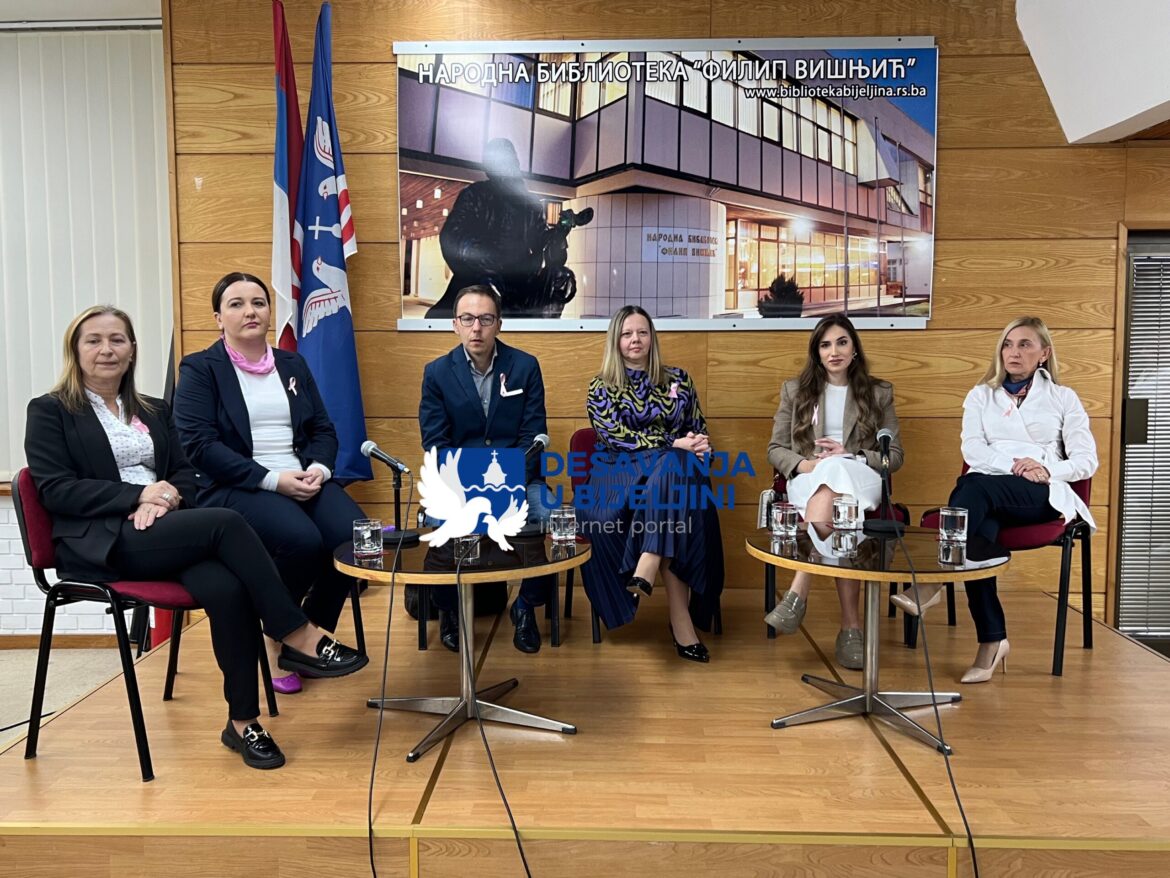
(467, 549)
(846, 515)
(952, 524)
(784, 518)
(562, 524)
(367, 537)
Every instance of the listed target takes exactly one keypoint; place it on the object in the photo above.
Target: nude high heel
(976, 674)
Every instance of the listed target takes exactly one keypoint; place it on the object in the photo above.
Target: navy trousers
(301, 536)
(992, 502)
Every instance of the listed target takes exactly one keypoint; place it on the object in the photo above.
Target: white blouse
(133, 448)
(1050, 426)
(271, 423)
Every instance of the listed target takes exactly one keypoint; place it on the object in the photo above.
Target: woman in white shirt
(1025, 438)
(824, 442)
(254, 427)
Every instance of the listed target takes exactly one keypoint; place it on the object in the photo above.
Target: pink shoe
(287, 685)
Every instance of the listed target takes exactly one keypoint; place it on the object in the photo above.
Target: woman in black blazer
(109, 469)
(254, 427)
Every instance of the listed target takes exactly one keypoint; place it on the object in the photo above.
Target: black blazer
(71, 462)
(212, 419)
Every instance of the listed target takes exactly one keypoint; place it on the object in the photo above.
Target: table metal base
(458, 709)
(868, 699)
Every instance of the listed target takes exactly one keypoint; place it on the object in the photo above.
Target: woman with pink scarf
(254, 427)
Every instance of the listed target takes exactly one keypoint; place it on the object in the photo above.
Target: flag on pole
(325, 327)
(286, 175)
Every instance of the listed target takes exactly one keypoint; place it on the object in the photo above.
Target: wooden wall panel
(931, 371)
(995, 102)
(230, 107)
(983, 284)
(227, 198)
(959, 26)
(373, 280)
(1147, 185)
(1030, 193)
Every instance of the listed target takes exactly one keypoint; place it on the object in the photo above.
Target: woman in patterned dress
(647, 506)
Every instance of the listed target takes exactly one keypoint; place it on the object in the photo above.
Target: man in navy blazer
(485, 394)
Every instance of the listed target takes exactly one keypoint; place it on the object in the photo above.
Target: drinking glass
(952, 554)
(845, 513)
(467, 549)
(563, 524)
(784, 517)
(952, 524)
(367, 537)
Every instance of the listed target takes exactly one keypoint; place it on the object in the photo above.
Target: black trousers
(992, 502)
(301, 536)
(221, 561)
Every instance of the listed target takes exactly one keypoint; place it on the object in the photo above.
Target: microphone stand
(398, 535)
(886, 525)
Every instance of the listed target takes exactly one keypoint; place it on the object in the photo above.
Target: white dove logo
(444, 498)
(327, 300)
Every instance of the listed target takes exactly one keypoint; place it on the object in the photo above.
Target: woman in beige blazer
(824, 442)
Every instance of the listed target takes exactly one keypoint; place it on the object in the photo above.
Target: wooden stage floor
(675, 769)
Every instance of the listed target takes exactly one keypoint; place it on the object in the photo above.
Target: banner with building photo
(763, 184)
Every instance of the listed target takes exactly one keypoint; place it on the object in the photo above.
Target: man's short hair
(478, 290)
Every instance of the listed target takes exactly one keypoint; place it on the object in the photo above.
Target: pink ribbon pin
(674, 390)
(292, 385)
(816, 414)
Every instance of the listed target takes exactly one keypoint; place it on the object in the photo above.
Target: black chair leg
(424, 613)
(1062, 606)
(951, 605)
(1086, 592)
(910, 630)
(42, 674)
(891, 610)
(359, 630)
(769, 597)
(718, 626)
(140, 629)
(569, 594)
(596, 626)
(132, 693)
(266, 676)
(173, 654)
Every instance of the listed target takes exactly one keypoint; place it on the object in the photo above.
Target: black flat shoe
(637, 585)
(694, 652)
(255, 745)
(333, 659)
(527, 637)
(449, 630)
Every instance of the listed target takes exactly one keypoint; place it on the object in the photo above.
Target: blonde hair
(70, 387)
(996, 374)
(613, 367)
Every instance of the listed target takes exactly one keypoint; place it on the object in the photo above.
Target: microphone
(538, 445)
(884, 437)
(370, 449)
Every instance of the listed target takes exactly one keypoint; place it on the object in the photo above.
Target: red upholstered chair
(36, 529)
(583, 442)
(1054, 533)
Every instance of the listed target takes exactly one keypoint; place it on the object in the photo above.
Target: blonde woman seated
(1025, 437)
(824, 442)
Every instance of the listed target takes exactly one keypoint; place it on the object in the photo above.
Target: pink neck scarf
(265, 364)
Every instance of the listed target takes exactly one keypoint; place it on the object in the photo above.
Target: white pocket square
(504, 391)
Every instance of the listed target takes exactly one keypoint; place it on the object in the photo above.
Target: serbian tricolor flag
(286, 173)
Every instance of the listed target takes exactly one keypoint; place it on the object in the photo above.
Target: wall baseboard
(60, 641)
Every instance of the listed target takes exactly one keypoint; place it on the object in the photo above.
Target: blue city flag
(325, 336)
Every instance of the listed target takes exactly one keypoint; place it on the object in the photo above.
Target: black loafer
(449, 630)
(638, 585)
(255, 745)
(333, 659)
(527, 637)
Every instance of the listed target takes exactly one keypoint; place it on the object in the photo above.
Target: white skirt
(843, 475)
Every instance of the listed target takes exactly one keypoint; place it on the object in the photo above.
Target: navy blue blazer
(213, 423)
(450, 414)
(77, 479)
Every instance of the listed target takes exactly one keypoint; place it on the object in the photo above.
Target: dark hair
(478, 290)
(813, 379)
(235, 277)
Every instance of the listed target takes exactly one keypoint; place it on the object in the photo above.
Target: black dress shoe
(255, 745)
(527, 637)
(449, 630)
(694, 652)
(638, 585)
(333, 659)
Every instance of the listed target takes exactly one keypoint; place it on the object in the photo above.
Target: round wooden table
(876, 559)
(417, 566)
